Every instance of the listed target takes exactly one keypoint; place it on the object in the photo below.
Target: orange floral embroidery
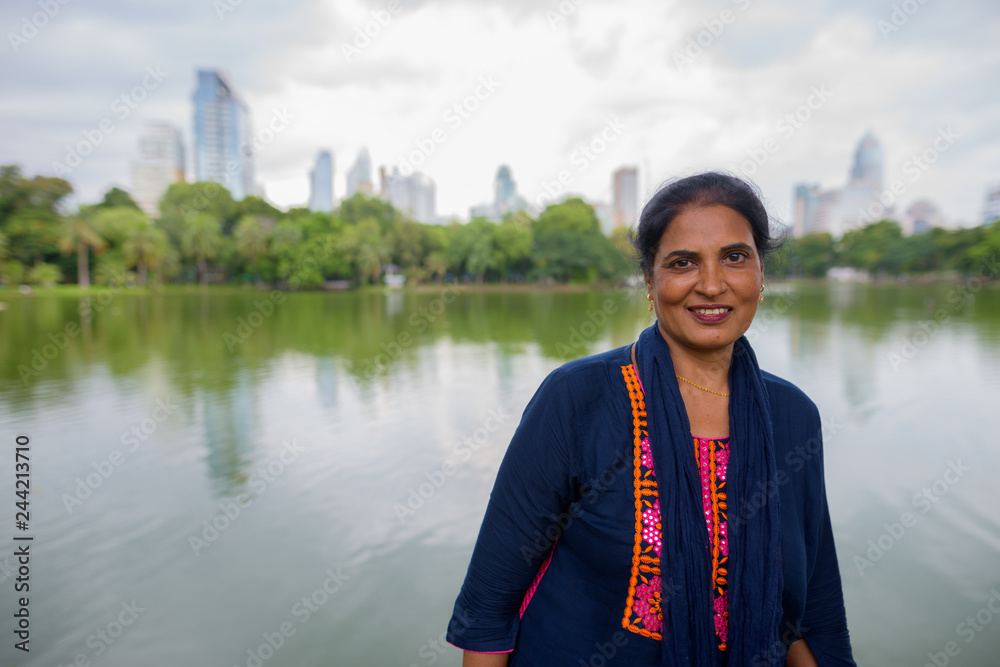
(643, 611)
(643, 614)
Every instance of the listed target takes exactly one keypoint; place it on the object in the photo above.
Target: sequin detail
(643, 607)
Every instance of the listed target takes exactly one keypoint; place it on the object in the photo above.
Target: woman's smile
(706, 278)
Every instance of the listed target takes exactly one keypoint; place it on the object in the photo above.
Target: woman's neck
(709, 368)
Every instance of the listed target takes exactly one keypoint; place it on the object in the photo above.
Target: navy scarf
(755, 578)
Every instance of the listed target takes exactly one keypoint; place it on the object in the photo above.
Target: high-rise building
(804, 208)
(921, 216)
(321, 183)
(505, 198)
(359, 178)
(504, 189)
(160, 163)
(223, 151)
(991, 211)
(605, 217)
(413, 195)
(625, 203)
(839, 210)
(867, 167)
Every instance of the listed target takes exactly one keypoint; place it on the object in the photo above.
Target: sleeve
(533, 487)
(824, 619)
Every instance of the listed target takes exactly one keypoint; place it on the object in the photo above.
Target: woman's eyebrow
(695, 253)
(685, 253)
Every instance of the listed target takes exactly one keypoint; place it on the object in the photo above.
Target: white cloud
(558, 85)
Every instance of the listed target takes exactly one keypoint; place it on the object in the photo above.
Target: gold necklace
(703, 388)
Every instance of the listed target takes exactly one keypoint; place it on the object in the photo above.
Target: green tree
(957, 248)
(80, 235)
(202, 240)
(574, 214)
(145, 248)
(868, 248)
(256, 206)
(470, 248)
(365, 249)
(116, 197)
(46, 275)
(408, 244)
(251, 236)
(986, 251)
(513, 241)
(116, 223)
(360, 207)
(569, 245)
(437, 264)
(285, 239)
(813, 254)
(30, 215)
(183, 201)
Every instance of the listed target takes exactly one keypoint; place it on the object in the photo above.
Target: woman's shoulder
(789, 397)
(585, 382)
(594, 368)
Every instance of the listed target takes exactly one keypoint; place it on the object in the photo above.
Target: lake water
(205, 479)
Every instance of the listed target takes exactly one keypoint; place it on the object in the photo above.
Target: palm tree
(201, 239)
(145, 247)
(80, 234)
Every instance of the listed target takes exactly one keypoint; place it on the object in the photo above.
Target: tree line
(203, 235)
(881, 249)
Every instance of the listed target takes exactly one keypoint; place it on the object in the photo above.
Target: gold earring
(650, 296)
(761, 294)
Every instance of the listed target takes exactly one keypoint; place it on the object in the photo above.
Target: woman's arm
(824, 619)
(471, 659)
(532, 488)
(799, 655)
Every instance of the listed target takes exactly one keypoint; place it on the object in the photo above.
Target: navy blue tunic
(565, 493)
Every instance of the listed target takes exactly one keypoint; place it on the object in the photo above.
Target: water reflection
(378, 389)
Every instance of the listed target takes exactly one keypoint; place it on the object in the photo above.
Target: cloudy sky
(675, 86)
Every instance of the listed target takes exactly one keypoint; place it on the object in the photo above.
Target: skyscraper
(839, 210)
(359, 178)
(160, 163)
(321, 183)
(867, 167)
(505, 198)
(921, 216)
(625, 201)
(504, 190)
(413, 195)
(222, 135)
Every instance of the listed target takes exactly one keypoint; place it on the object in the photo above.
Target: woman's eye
(681, 264)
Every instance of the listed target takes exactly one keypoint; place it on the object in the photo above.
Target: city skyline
(780, 94)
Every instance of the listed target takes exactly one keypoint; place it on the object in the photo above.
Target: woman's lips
(711, 314)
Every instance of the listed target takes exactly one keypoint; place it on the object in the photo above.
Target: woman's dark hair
(711, 188)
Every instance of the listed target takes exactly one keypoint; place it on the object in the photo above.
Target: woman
(664, 503)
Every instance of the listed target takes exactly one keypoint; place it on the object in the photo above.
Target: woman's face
(706, 279)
